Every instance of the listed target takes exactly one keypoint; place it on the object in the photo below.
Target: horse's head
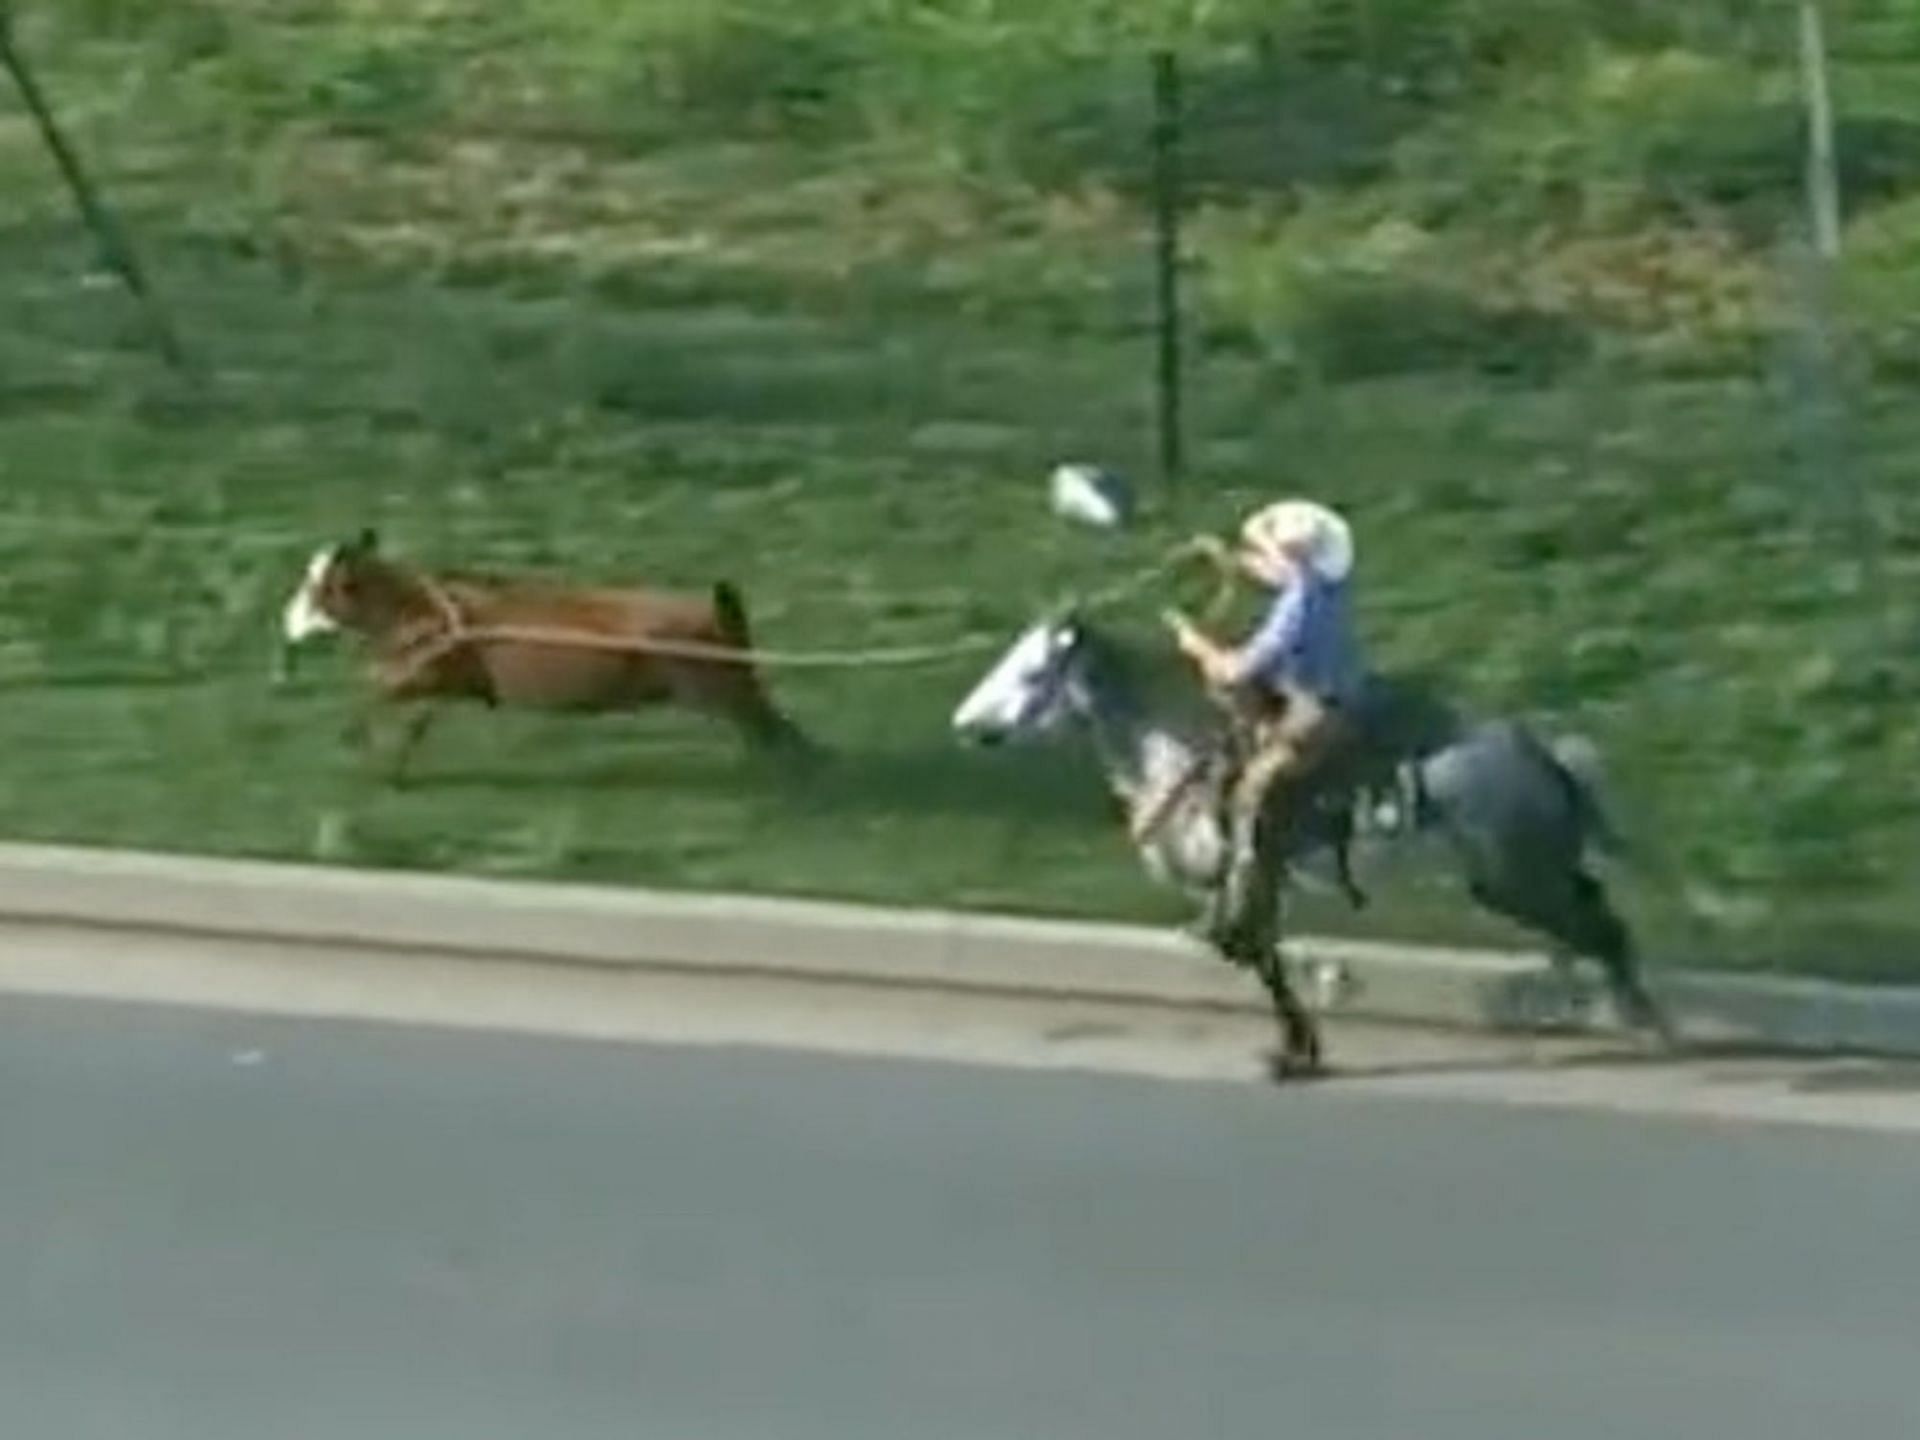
(1029, 691)
(341, 589)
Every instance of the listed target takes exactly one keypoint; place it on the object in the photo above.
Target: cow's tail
(765, 720)
(730, 615)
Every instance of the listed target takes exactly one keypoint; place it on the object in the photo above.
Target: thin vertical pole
(1823, 185)
(1166, 195)
(1829, 453)
(114, 246)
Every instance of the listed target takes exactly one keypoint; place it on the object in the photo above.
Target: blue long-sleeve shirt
(1305, 640)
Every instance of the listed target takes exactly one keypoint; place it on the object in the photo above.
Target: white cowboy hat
(1304, 526)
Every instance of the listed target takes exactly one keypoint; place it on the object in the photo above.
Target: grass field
(670, 293)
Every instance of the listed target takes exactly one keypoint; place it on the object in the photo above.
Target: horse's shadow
(1051, 790)
(1606, 1051)
(1033, 787)
(1863, 1076)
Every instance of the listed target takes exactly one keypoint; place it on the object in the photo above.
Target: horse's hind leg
(1604, 936)
(1340, 838)
(1580, 919)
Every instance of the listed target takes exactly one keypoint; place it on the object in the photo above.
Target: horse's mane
(1408, 715)
(1404, 711)
(1144, 680)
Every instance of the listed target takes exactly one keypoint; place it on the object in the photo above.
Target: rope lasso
(460, 633)
(447, 641)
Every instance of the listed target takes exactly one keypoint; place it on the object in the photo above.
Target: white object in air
(1090, 495)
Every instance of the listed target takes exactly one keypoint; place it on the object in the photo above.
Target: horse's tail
(1578, 759)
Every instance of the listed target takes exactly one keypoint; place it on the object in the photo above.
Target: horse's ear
(368, 541)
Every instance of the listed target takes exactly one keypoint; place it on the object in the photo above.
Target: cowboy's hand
(1210, 548)
(1219, 668)
(1183, 629)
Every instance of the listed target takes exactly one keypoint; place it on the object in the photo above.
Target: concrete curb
(583, 925)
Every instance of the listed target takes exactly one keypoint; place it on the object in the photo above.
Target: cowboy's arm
(1225, 665)
(1228, 559)
(1214, 659)
(1208, 654)
(1278, 634)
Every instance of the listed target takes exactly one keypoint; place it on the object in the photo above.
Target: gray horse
(1517, 814)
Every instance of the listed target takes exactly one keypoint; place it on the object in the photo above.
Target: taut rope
(459, 633)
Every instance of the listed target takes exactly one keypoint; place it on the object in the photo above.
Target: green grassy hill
(814, 295)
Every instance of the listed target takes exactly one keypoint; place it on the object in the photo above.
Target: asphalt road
(218, 1226)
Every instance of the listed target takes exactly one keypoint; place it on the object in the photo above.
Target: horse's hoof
(1647, 1023)
(1213, 932)
(1283, 1067)
(1656, 1036)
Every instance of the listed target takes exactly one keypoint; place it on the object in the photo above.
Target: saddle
(1370, 774)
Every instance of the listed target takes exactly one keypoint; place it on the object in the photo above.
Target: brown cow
(532, 643)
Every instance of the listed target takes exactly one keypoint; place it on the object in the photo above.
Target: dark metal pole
(1166, 195)
(113, 243)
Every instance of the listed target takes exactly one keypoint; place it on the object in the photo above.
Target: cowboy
(1293, 682)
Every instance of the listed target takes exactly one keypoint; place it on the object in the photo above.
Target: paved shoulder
(1031, 1031)
(221, 1225)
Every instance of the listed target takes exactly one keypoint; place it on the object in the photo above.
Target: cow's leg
(360, 732)
(413, 729)
(733, 692)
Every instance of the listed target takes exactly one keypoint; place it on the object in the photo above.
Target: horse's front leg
(1300, 1049)
(1250, 936)
(1257, 947)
